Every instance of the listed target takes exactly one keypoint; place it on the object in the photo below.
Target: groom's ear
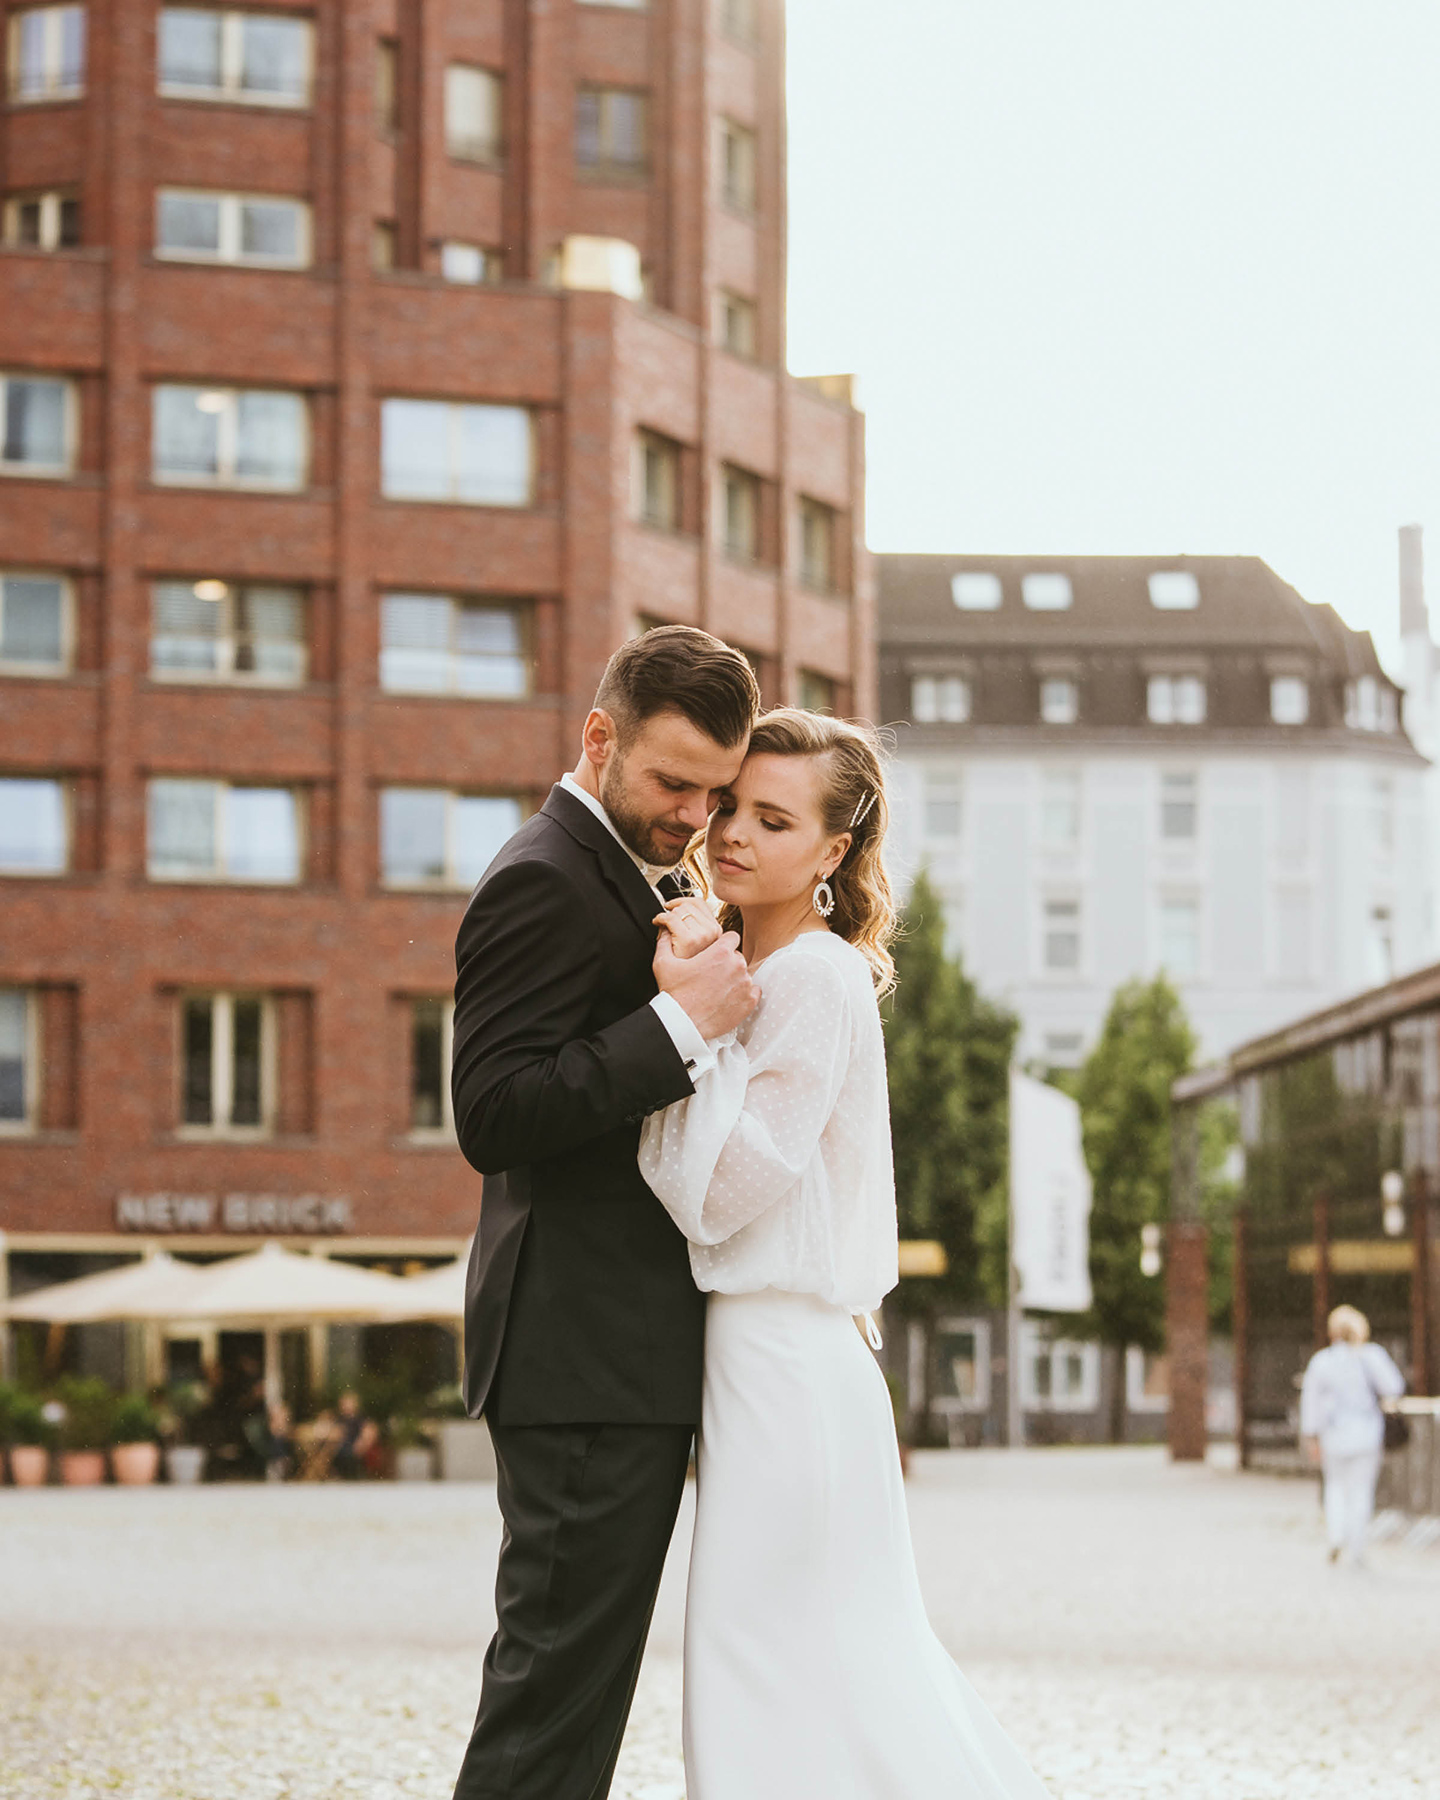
(599, 739)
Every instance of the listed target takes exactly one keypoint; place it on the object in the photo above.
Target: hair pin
(862, 811)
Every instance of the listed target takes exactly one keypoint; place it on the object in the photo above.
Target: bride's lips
(734, 868)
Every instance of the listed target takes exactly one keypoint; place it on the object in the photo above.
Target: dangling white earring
(822, 899)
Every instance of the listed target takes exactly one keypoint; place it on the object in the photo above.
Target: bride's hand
(691, 924)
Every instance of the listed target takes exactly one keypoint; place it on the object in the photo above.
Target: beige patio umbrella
(437, 1294)
(272, 1287)
(153, 1289)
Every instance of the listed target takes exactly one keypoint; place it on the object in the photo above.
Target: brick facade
(105, 952)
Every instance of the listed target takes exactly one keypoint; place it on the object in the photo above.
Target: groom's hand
(713, 986)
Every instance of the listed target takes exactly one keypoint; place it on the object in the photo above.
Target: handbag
(1397, 1426)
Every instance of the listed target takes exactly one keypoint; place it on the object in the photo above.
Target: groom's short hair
(677, 668)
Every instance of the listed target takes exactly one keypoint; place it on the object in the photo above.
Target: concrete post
(1187, 1309)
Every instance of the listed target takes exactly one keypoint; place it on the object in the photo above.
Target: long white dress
(810, 1666)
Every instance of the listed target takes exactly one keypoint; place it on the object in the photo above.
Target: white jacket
(1341, 1394)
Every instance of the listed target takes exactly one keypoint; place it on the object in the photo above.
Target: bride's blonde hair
(852, 798)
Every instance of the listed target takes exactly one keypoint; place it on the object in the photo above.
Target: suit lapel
(616, 868)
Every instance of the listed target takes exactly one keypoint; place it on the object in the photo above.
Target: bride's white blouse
(778, 1167)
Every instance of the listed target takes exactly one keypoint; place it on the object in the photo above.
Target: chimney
(1413, 616)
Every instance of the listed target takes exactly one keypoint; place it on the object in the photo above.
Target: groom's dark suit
(584, 1332)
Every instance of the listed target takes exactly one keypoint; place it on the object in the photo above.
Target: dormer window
(1047, 592)
(1370, 705)
(1175, 700)
(1289, 700)
(1059, 700)
(976, 590)
(1174, 590)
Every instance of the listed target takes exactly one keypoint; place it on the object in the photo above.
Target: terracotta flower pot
(29, 1465)
(82, 1468)
(135, 1465)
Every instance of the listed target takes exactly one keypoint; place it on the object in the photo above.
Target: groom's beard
(638, 831)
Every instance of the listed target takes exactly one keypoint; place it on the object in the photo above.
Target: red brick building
(367, 372)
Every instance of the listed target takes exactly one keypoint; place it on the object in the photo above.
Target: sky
(1141, 276)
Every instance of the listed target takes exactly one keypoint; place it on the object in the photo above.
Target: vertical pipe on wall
(1320, 1329)
(1241, 1327)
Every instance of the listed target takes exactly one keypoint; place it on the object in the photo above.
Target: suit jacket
(580, 1306)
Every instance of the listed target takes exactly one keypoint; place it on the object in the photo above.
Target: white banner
(1049, 1197)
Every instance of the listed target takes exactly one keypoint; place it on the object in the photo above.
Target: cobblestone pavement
(1141, 1629)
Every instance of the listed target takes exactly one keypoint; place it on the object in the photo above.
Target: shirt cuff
(684, 1034)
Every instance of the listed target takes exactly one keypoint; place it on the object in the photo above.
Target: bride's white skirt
(810, 1666)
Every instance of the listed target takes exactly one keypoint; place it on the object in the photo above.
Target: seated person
(354, 1436)
(279, 1442)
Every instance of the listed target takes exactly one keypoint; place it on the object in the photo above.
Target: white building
(1114, 765)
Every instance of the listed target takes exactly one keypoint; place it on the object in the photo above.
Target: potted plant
(89, 1408)
(179, 1417)
(414, 1459)
(135, 1457)
(29, 1438)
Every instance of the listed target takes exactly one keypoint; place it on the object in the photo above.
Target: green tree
(1124, 1092)
(949, 1057)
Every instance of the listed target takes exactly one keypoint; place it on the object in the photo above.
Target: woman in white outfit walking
(1343, 1425)
(810, 1666)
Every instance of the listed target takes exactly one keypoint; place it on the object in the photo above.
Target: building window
(740, 494)
(1289, 700)
(1175, 700)
(739, 19)
(1380, 946)
(227, 1063)
(382, 246)
(816, 692)
(34, 624)
(432, 1032)
(1046, 592)
(817, 544)
(737, 166)
(1064, 1049)
(1174, 590)
(216, 831)
(962, 1366)
(232, 228)
(37, 412)
(1147, 1381)
(1382, 816)
(737, 324)
(438, 644)
(387, 87)
(261, 57)
(43, 221)
(1060, 809)
(230, 437)
(431, 837)
(1292, 934)
(1179, 806)
(225, 631)
(940, 699)
(1061, 935)
(655, 478)
(1180, 938)
(47, 53)
(976, 590)
(34, 826)
(474, 109)
(942, 805)
(443, 450)
(19, 1062)
(611, 130)
(468, 264)
(1057, 1375)
(1059, 700)
(1370, 705)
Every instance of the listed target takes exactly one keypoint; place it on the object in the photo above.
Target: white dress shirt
(682, 1030)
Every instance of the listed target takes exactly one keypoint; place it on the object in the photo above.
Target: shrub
(89, 1412)
(135, 1421)
(21, 1420)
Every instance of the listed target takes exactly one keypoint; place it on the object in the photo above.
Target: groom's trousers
(589, 1511)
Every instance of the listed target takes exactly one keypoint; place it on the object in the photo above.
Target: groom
(584, 1332)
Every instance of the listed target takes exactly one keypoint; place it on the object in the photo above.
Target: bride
(810, 1666)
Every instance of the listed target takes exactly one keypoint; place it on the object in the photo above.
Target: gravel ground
(1141, 1629)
